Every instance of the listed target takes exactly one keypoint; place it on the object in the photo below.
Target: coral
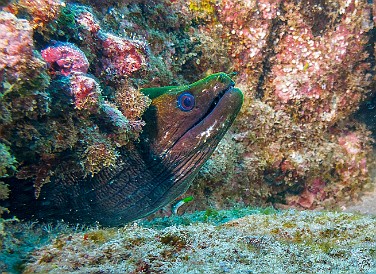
(41, 11)
(66, 59)
(115, 116)
(97, 156)
(4, 191)
(248, 28)
(16, 49)
(86, 92)
(4, 194)
(7, 164)
(263, 242)
(86, 20)
(122, 57)
(307, 70)
(203, 9)
(132, 104)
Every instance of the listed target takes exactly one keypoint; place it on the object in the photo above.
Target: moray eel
(184, 124)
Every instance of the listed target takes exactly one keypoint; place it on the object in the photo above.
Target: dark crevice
(367, 110)
(269, 53)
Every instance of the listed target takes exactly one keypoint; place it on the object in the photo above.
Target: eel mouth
(213, 105)
(220, 114)
(216, 101)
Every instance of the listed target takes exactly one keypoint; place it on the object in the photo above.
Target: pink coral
(308, 70)
(86, 92)
(66, 58)
(87, 20)
(122, 56)
(16, 45)
(247, 27)
(355, 163)
(350, 142)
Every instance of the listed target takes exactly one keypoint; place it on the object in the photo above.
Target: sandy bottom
(366, 206)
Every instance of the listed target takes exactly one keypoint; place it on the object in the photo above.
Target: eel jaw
(209, 130)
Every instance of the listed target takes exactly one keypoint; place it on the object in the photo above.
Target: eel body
(183, 126)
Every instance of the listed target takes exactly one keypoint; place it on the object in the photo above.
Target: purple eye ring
(186, 101)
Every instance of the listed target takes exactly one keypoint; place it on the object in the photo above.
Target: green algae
(210, 215)
(7, 161)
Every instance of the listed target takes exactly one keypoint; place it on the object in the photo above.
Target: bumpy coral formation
(7, 161)
(66, 58)
(132, 104)
(86, 92)
(41, 11)
(305, 69)
(86, 19)
(4, 194)
(258, 243)
(122, 57)
(248, 27)
(16, 49)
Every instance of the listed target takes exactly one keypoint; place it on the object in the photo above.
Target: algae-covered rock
(266, 241)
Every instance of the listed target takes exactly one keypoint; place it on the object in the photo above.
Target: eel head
(184, 124)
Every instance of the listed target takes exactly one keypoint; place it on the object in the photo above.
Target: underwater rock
(16, 49)
(248, 28)
(41, 11)
(263, 242)
(302, 81)
(308, 70)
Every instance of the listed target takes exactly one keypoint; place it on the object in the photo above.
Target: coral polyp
(132, 104)
(17, 59)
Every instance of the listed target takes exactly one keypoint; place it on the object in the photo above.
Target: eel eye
(186, 101)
